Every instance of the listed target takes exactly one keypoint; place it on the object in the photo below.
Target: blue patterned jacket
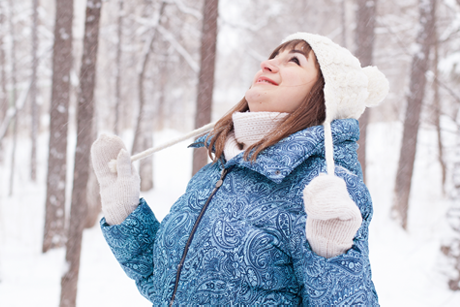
(249, 245)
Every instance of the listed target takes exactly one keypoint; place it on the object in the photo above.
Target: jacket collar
(279, 160)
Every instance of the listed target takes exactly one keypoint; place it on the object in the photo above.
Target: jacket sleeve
(343, 280)
(132, 245)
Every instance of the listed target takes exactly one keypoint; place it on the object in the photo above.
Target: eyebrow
(290, 52)
(298, 51)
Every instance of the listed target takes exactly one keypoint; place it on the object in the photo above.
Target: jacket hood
(278, 161)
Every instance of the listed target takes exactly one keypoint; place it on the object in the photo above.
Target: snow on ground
(408, 268)
(407, 265)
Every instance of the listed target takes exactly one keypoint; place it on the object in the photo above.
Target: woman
(263, 223)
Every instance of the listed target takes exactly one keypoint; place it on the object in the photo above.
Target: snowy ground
(408, 269)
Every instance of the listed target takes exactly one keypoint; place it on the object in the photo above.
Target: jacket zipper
(195, 226)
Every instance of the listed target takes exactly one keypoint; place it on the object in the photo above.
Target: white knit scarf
(250, 128)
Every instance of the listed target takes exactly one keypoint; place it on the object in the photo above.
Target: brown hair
(311, 112)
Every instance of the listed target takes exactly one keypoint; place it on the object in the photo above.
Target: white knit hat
(348, 88)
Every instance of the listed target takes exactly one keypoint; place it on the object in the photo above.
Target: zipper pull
(221, 180)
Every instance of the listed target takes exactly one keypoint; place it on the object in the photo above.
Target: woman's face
(283, 82)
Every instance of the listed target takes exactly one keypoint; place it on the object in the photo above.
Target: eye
(295, 60)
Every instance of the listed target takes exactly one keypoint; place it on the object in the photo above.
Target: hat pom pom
(377, 87)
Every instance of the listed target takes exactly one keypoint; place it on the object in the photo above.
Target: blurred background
(152, 70)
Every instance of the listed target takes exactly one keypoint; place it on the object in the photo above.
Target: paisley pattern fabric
(250, 246)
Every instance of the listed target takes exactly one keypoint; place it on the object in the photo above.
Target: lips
(266, 80)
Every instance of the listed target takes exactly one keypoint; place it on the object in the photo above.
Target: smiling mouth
(266, 80)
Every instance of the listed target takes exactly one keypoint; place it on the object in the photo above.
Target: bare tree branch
(11, 112)
(187, 10)
(178, 47)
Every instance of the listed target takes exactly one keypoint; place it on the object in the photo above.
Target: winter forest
(153, 70)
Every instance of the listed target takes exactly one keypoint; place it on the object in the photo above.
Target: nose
(269, 65)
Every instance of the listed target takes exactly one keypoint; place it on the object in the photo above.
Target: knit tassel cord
(329, 148)
(151, 151)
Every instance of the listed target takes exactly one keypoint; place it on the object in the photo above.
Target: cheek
(297, 95)
(256, 76)
(305, 84)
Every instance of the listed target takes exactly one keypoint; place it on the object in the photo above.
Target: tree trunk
(137, 143)
(3, 93)
(451, 248)
(33, 94)
(161, 112)
(437, 108)
(54, 233)
(13, 98)
(419, 66)
(118, 68)
(206, 76)
(144, 129)
(343, 20)
(85, 137)
(93, 200)
(146, 165)
(93, 197)
(364, 39)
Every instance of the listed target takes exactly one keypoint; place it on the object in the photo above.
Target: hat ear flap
(378, 86)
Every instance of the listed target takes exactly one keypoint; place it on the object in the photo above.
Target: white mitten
(333, 218)
(119, 191)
